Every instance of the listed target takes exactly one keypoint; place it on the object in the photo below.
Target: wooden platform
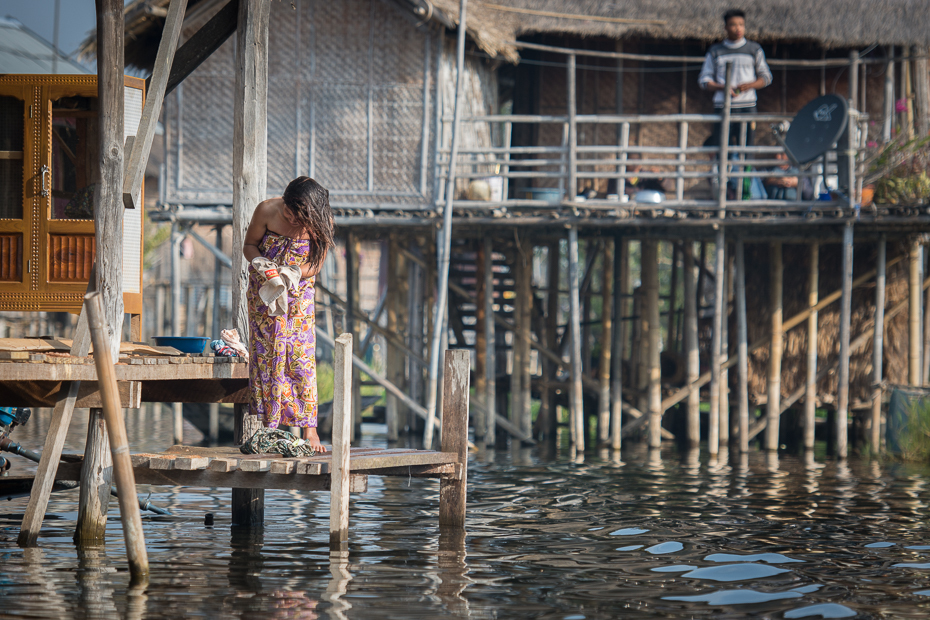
(228, 467)
(37, 382)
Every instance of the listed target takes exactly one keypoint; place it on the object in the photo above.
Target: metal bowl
(649, 196)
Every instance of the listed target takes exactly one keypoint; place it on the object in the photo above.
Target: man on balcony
(750, 73)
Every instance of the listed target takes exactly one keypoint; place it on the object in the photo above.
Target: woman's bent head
(308, 202)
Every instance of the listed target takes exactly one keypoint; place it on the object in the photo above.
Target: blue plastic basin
(184, 344)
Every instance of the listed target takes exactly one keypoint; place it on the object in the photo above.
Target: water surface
(548, 536)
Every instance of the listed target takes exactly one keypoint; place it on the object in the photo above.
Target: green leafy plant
(900, 171)
(914, 441)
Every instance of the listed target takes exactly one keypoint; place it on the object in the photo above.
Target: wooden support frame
(203, 43)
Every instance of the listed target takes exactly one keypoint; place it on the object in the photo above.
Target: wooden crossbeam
(155, 94)
(203, 43)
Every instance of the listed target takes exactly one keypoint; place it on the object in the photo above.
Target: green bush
(914, 441)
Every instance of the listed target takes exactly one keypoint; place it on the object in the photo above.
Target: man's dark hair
(733, 13)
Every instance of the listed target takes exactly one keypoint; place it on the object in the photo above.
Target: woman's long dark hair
(309, 202)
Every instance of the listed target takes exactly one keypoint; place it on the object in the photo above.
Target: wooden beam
(154, 96)
(776, 343)
(202, 44)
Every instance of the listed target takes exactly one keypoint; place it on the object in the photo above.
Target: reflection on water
(654, 534)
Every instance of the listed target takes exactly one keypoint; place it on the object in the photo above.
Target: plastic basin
(184, 344)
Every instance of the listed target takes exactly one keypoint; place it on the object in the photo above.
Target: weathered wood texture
(342, 432)
(810, 400)
(154, 96)
(842, 400)
(490, 396)
(96, 478)
(577, 396)
(607, 283)
(742, 348)
(250, 141)
(621, 268)
(716, 347)
(692, 353)
(776, 344)
(914, 290)
(455, 389)
(878, 348)
(652, 342)
(203, 43)
(54, 439)
(108, 199)
(119, 442)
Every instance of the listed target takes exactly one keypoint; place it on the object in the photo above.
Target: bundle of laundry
(276, 281)
(230, 345)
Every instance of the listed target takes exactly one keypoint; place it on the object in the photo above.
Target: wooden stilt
(875, 437)
(96, 479)
(116, 433)
(742, 348)
(396, 311)
(547, 408)
(178, 409)
(842, 408)
(725, 354)
(342, 432)
(914, 291)
(810, 398)
(672, 299)
(352, 325)
(526, 308)
(713, 422)
(248, 505)
(214, 423)
(692, 354)
(616, 384)
(491, 354)
(481, 346)
(577, 401)
(607, 341)
(773, 406)
(452, 491)
(652, 332)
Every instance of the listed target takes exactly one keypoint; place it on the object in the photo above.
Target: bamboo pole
(725, 354)
(572, 173)
(888, 107)
(577, 399)
(742, 348)
(397, 324)
(842, 408)
(603, 424)
(716, 350)
(810, 399)
(653, 333)
(621, 267)
(878, 348)
(116, 430)
(724, 145)
(914, 309)
(342, 433)
(442, 290)
(525, 255)
(481, 344)
(353, 310)
(549, 428)
(692, 353)
(491, 361)
(776, 344)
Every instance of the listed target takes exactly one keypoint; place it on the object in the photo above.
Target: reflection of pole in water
(245, 558)
(137, 601)
(37, 567)
(95, 589)
(453, 570)
(338, 584)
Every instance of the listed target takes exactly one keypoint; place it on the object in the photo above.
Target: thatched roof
(494, 24)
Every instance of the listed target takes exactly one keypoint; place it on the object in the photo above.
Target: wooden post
(921, 89)
(572, 173)
(713, 421)
(398, 288)
(452, 490)
(217, 286)
(520, 403)
(603, 422)
(577, 400)
(724, 438)
(489, 328)
(481, 346)
(724, 145)
(773, 407)
(621, 267)
(810, 398)
(742, 348)
(526, 308)
(352, 325)
(342, 433)
(842, 408)
(692, 354)
(213, 434)
(914, 290)
(547, 425)
(178, 418)
(888, 105)
(96, 478)
(875, 436)
(653, 335)
(108, 199)
(248, 505)
(116, 431)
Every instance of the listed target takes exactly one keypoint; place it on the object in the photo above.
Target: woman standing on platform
(292, 233)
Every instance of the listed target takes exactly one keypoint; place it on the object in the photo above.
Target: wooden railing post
(572, 176)
(119, 443)
(342, 434)
(455, 388)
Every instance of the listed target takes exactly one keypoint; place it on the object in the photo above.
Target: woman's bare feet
(310, 435)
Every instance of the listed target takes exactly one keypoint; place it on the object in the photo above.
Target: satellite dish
(815, 129)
